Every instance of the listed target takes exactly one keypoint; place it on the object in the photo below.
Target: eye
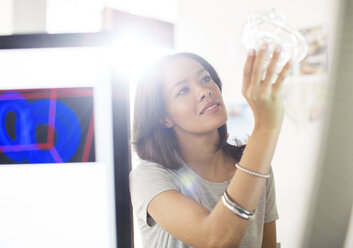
(183, 91)
(205, 79)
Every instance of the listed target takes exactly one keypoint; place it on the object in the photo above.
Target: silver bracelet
(237, 206)
(235, 210)
(252, 172)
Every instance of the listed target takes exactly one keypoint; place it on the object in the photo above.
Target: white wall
(22, 16)
(79, 15)
(5, 17)
(213, 30)
(29, 16)
(164, 10)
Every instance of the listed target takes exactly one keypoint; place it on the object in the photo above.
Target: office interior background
(213, 29)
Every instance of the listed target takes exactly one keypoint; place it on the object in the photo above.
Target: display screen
(47, 126)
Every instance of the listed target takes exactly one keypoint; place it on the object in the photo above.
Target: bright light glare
(131, 56)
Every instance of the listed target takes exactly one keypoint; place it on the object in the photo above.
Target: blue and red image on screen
(46, 126)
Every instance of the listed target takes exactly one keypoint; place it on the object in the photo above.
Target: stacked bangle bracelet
(233, 206)
(252, 172)
(236, 209)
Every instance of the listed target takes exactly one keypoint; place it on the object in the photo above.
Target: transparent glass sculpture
(270, 27)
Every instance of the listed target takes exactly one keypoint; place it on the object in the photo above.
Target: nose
(204, 92)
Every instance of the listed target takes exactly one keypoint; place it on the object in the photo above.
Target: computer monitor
(64, 156)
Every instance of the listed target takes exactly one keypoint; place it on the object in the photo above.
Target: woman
(191, 188)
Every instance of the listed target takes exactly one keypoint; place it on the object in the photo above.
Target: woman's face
(193, 100)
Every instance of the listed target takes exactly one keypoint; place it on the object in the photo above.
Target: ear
(167, 123)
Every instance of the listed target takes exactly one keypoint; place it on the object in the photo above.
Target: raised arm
(193, 224)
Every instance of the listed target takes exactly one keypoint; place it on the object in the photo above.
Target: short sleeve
(148, 180)
(271, 213)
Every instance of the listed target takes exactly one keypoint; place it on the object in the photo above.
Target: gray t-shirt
(149, 179)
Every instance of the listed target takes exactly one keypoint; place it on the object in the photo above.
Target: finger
(258, 68)
(278, 84)
(247, 70)
(271, 69)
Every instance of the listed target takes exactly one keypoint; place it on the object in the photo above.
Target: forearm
(257, 156)
(245, 189)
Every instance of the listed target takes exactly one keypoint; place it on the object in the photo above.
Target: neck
(200, 154)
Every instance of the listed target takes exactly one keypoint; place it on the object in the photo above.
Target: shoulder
(147, 165)
(147, 170)
(147, 180)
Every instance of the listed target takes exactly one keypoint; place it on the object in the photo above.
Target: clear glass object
(270, 27)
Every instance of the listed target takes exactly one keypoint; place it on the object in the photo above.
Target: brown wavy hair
(151, 140)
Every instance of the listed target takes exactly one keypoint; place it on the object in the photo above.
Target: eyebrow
(185, 80)
(201, 71)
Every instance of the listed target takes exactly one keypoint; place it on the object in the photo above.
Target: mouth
(209, 107)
